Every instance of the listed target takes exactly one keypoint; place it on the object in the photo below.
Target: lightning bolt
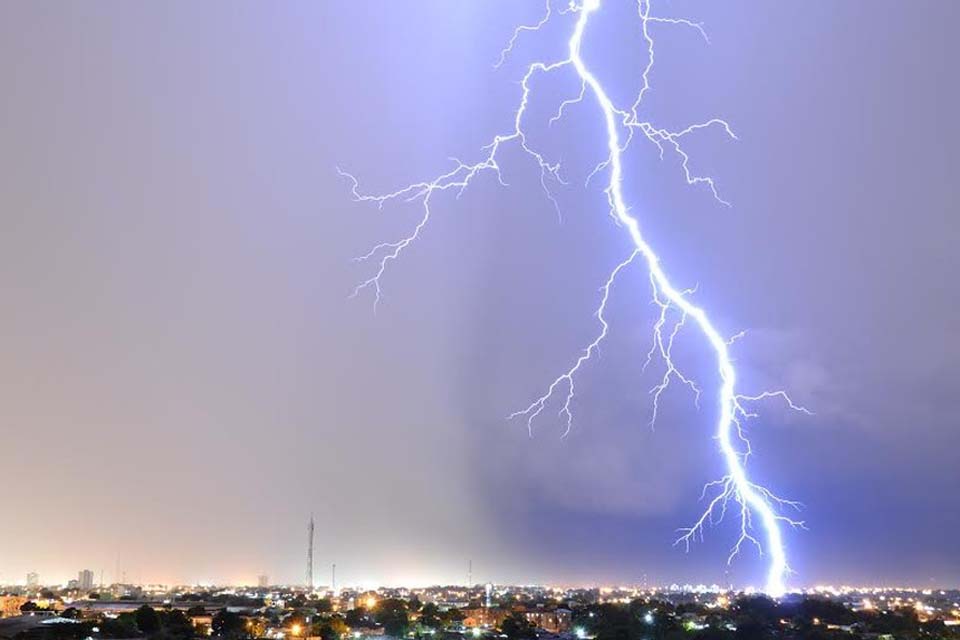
(761, 513)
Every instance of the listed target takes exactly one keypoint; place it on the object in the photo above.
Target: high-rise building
(263, 581)
(33, 579)
(85, 580)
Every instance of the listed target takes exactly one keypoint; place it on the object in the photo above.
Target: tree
(323, 605)
(28, 607)
(430, 616)
(196, 610)
(123, 626)
(756, 617)
(357, 617)
(517, 627)
(70, 612)
(758, 609)
(228, 624)
(901, 623)
(454, 615)
(333, 629)
(713, 633)
(826, 611)
(176, 624)
(392, 614)
(147, 620)
(610, 622)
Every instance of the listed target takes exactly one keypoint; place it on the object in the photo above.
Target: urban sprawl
(81, 610)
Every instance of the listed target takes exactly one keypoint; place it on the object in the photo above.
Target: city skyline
(186, 378)
(263, 582)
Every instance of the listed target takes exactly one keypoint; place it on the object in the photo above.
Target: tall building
(85, 580)
(33, 579)
(263, 581)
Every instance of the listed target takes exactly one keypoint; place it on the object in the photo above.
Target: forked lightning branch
(761, 514)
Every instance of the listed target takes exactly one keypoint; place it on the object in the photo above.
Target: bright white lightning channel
(676, 306)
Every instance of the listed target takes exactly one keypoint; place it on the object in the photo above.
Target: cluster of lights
(929, 604)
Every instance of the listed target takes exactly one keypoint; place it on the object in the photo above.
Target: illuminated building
(484, 616)
(85, 580)
(554, 620)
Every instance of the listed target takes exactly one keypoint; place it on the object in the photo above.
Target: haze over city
(185, 379)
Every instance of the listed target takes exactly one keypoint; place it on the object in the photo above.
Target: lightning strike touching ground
(676, 307)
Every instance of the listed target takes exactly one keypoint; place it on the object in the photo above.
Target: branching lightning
(761, 514)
